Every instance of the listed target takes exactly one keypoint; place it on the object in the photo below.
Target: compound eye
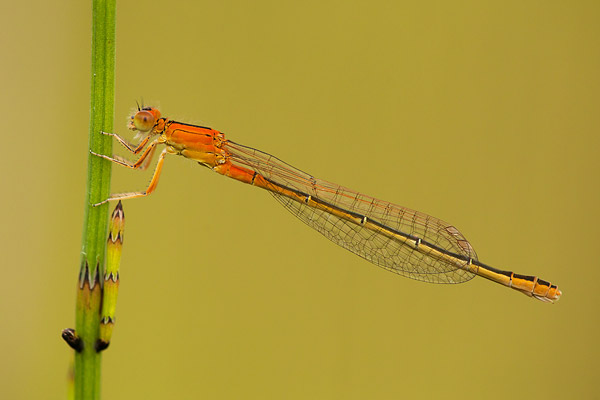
(143, 121)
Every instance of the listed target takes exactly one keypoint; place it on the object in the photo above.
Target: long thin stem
(87, 320)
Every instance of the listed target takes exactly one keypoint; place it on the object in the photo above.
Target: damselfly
(401, 240)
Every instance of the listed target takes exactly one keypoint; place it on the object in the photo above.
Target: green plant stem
(87, 318)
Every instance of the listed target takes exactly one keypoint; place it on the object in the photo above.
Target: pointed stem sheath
(73, 340)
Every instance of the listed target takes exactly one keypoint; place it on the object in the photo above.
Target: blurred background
(485, 115)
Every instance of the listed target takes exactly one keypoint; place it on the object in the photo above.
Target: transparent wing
(384, 251)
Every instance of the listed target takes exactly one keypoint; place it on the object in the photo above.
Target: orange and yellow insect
(401, 240)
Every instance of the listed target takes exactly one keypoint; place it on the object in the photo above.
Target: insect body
(401, 240)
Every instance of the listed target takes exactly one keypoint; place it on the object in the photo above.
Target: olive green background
(484, 114)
